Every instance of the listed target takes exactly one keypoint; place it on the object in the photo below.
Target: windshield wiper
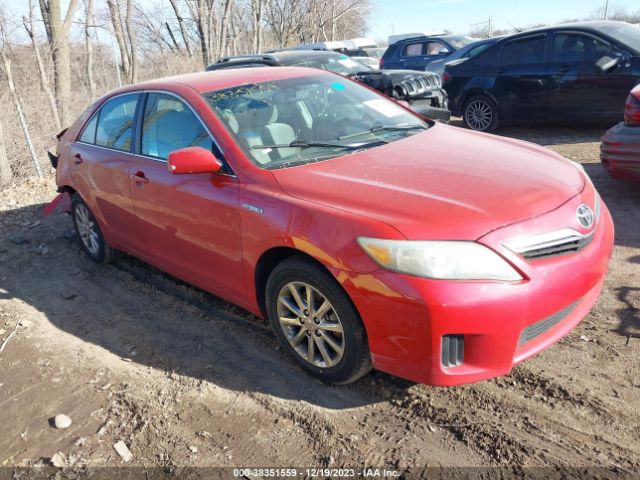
(311, 144)
(383, 128)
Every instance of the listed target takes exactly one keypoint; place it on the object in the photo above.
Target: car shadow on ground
(146, 317)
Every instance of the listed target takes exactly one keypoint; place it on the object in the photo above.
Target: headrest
(253, 114)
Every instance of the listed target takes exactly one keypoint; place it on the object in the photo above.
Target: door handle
(564, 68)
(77, 159)
(139, 178)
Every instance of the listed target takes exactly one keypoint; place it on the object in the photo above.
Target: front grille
(538, 328)
(566, 245)
(452, 350)
(558, 242)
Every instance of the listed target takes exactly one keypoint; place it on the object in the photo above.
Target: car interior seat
(258, 125)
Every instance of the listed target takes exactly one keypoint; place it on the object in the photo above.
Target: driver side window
(169, 124)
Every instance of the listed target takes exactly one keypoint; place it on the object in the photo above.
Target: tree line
(56, 56)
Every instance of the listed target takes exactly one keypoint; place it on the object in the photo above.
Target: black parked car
(578, 72)
(417, 52)
(422, 90)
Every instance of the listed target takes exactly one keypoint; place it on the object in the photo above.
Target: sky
(410, 16)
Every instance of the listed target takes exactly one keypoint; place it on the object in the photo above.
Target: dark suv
(416, 53)
(578, 72)
(421, 90)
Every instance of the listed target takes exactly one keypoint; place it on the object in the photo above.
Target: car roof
(593, 25)
(445, 36)
(290, 56)
(203, 82)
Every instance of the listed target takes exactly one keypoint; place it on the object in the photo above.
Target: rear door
(102, 157)
(190, 223)
(522, 84)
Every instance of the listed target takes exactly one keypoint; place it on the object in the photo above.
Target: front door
(190, 223)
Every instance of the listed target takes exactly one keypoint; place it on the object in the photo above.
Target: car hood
(444, 183)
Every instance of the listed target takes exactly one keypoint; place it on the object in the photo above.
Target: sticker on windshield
(385, 107)
(347, 62)
(337, 86)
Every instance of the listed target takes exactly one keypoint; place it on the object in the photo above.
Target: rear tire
(325, 335)
(480, 113)
(89, 232)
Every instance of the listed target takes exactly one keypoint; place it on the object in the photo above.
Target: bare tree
(6, 62)
(58, 34)
(6, 175)
(44, 78)
(116, 21)
(131, 35)
(257, 9)
(181, 25)
(89, 21)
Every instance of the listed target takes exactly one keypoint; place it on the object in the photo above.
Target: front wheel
(480, 113)
(316, 323)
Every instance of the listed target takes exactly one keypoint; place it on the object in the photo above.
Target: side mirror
(443, 51)
(607, 63)
(193, 160)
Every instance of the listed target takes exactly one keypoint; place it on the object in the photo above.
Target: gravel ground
(185, 379)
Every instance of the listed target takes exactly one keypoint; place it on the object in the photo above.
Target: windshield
(624, 33)
(340, 64)
(459, 41)
(301, 120)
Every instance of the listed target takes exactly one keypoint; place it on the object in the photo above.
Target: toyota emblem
(585, 216)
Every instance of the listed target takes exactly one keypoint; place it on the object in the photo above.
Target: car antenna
(518, 30)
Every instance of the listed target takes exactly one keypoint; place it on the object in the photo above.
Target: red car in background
(366, 235)
(620, 147)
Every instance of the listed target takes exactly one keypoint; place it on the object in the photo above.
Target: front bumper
(620, 152)
(502, 323)
(439, 114)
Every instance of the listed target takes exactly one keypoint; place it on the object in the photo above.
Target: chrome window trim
(156, 159)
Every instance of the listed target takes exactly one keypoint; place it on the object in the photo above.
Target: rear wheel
(480, 113)
(316, 323)
(87, 228)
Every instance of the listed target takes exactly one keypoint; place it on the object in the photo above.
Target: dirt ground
(186, 379)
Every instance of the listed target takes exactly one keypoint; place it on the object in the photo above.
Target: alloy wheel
(87, 229)
(479, 115)
(310, 324)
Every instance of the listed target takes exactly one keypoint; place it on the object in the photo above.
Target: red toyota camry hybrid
(368, 236)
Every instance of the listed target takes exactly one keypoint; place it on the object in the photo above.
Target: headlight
(450, 260)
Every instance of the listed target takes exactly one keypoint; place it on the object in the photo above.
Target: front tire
(316, 323)
(89, 232)
(480, 113)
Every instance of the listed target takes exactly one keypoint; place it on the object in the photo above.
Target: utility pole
(606, 8)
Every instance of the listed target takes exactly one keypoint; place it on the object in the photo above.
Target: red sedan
(365, 234)
(620, 147)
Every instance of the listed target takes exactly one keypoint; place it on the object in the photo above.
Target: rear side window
(413, 50)
(523, 52)
(115, 122)
(434, 48)
(89, 132)
(168, 125)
